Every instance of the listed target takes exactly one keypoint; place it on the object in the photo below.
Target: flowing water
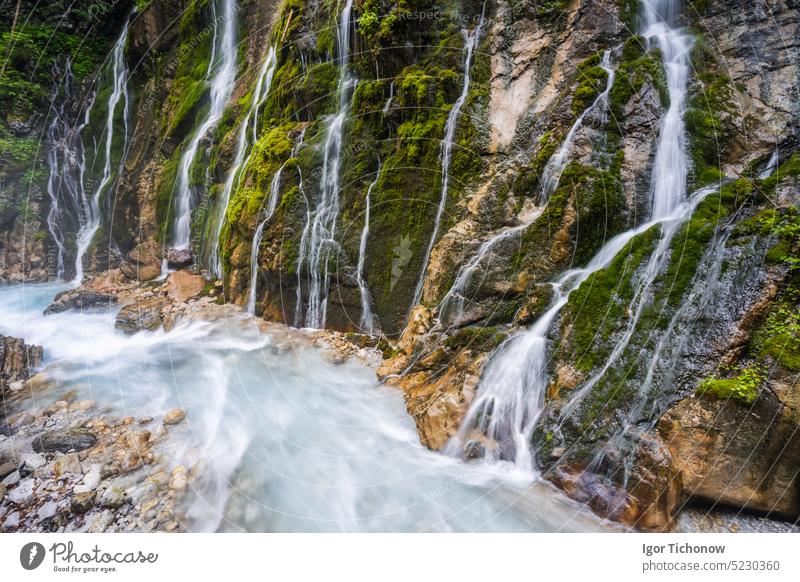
(367, 322)
(221, 75)
(287, 440)
(510, 396)
(452, 305)
(67, 164)
(92, 215)
(551, 175)
(320, 237)
(247, 137)
(471, 40)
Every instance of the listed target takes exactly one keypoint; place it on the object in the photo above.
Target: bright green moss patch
(476, 338)
(742, 388)
(636, 68)
(592, 81)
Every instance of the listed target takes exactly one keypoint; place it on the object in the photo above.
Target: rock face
(64, 441)
(143, 263)
(17, 359)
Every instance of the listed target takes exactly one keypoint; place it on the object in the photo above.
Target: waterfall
(367, 320)
(67, 165)
(668, 179)
(321, 236)
(272, 205)
(551, 175)
(771, 166)
(91, 215)
(221, 78)
(298, 307)
(388, 103)
(245, 140)
(470, 41)
(510, 396)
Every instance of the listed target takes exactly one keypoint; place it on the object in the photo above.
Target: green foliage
(779, 335)
(481, 339)
(593, 79)
(742, 388)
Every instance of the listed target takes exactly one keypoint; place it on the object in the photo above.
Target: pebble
(82, 502)
(23, 493)
(2, 492)
(101, 522)
(82, 406)
(47, 511)
(174, 416)
(12, 520)
(12, 479)
(33, 461)
(90, 481)
(68, 463)
(112, 496)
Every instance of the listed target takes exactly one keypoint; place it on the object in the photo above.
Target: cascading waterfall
(221, 79)
(247, 137)
(298, 308)
(67, 164)
(91, 215)
(668, 180)
(272, 205)
(551, 175)
(471, 40)
(510, 396)
(321, 236)
(388, 103)
(367, 319)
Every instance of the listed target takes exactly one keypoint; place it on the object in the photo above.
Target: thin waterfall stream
(220, 76)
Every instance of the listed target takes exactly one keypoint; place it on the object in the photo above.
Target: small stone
(2, 492)
(171, 526)
(174, 416)
(55, 407)
(11, 521)
(12, 478)
(89, 482)
(82, 502)
(101, 522)
(22, 493)
(17, 421)
(64, 440)
(112, 496)
(160, 479)
(179, 480)
(33, 461)
(47, 511)
(68, 463)
(6, 469)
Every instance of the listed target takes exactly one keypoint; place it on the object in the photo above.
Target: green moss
(600, 302)
(743, 388)
(636, 68)
(592, 81)
(481, 339)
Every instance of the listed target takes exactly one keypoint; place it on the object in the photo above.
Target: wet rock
(17, 421)
(90, 481)
(174, 416)
(64, 440)
(82, 502)
(143, 314)
(82, 406)
(112, 495)
(179, 258)
(184, 285)
(2, 492)
(12, 521)
(7, 468)
(16, 360)
(143, 263)
(82, 299)
(179, 480)
(101, 522)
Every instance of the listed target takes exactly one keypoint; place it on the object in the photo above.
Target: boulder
(179, 258)
(143, 314)
(79, 299)
(16, 360)
(143, 263)
(184, 285)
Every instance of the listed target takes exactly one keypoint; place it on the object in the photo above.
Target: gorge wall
(671, 373)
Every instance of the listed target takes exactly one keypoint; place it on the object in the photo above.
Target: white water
(221, 77)
(471, 40)
(321, 235)
(367, 322)
(551, 175)
(247, 137)
(771, 166)
(67, 165)
(91, 215)
(510, 396)
(388, 103)
(287, 441)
